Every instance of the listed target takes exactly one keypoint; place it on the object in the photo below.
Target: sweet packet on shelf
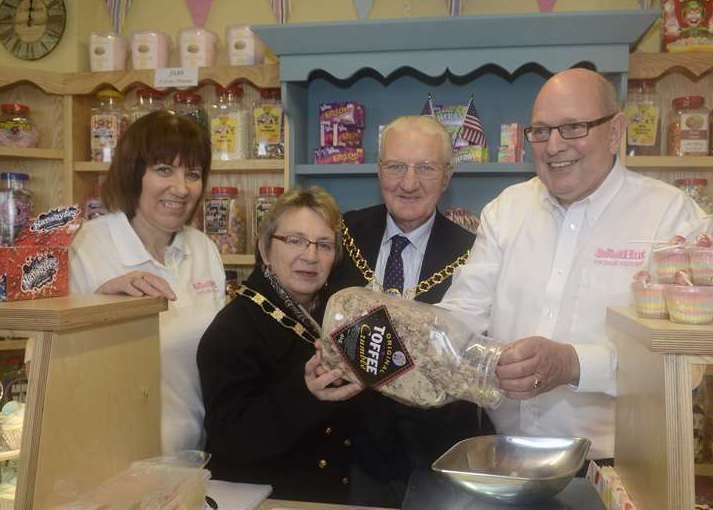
(412, 352)
(38, 265)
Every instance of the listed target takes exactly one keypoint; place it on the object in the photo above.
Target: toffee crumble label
(372, 347)
(39, 271)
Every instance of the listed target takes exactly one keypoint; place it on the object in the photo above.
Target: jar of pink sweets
(16, 128)
(224, 219)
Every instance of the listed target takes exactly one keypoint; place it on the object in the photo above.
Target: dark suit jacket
(396, 439)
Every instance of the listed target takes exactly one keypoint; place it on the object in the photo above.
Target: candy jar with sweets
(16, 128)
(267, 126)
(224, 219)
(148, 100)
(93, 205)
(108, 122)
(697, 190)
(266, 198)
(643, 132)
(689, 127)
(190, 104)
(15, 206)
(229, 125)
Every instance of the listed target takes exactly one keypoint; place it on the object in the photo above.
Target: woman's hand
(137, 284)
(328, 384)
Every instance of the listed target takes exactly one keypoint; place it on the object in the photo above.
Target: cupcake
(668, 261)
(701, 260)
(689, 304)
(649, 300)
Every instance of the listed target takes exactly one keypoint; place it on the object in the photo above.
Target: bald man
(553, 252)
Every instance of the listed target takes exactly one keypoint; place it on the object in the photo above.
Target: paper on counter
(237, 496)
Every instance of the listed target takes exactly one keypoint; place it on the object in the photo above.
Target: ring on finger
(537, 383)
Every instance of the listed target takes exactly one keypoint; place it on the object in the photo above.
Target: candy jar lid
(16, 108)
(271, 190)
(691, 182)
(688, 102)
(235, 89)
(187, 97)
(224, 190)
(271, 93)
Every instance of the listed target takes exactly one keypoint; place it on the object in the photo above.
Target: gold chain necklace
(422, 287)
(276, 313)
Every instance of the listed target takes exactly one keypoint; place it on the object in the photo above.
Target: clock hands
(29, 17)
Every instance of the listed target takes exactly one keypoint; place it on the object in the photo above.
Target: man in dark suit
(406, 245)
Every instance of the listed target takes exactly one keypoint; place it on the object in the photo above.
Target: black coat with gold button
(262, 423)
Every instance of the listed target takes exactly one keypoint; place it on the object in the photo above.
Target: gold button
(322, 464)
(347, 443)
(345, 480)
(327, 431)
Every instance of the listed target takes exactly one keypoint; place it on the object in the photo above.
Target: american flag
(428, 107)
(472, 130)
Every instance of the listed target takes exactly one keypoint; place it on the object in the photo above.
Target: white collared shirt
(412, 255)
(108, 247)
(537, 268)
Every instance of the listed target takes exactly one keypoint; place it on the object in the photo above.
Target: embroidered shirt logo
(619, 257)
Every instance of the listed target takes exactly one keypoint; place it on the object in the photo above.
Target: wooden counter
(654, 412)
(93, 402)
(280, 504)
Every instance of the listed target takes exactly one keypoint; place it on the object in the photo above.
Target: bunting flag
(472, 129)
(454, 7)
(281, 9)
(428, 107)
(362, 8)
(199, 11)
(118, 9)
(546, 5)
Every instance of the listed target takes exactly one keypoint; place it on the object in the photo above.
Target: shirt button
(345, 480)
(327, 431)
(347, 442)
(322, 464)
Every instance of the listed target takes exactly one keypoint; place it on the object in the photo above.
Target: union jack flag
(472, 130)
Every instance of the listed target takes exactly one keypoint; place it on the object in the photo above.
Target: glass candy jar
(267, 126)
(697, 190)
(108, 122)
(643, 132)
(224, 219)
(190, 105)
(689, 127)
(16, 127)
(266, 198)
(148, 100)
(229, 125)
(15, 206)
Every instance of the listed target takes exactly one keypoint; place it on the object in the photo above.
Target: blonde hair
(423, 123)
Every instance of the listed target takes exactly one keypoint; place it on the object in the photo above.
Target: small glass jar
(229, 125)
(15, 206)
(224, 219)
(16, 127)
(267, 126)
(148, 100)
(689, 127)
(108, 123)
(643, 132)
(190, 105)
(266, 198)
(697, 190)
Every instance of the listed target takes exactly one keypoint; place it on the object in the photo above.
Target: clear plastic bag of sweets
(413, 352)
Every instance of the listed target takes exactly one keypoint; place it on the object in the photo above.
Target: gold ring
(537, 383)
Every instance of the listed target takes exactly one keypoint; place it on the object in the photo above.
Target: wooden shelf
(237, 166)
(369, 169)
(669, 162)
(31, 153)
(13, 345)
(654, 65)
(9, 455)
(238, 260)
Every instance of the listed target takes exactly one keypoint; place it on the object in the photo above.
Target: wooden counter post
(93, 403)
(654, 411)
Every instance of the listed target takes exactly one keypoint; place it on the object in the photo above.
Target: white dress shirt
(539, 269)
(412, 254)
(108, 247)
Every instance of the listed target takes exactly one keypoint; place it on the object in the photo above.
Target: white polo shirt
(108, 247)
(537, 268)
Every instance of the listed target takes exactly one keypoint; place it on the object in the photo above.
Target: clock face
(30, 29)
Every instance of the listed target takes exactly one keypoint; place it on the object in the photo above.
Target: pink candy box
(689, 304)
(649, 300)
(670, 260)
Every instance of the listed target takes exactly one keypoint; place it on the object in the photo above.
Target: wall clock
(30, 29)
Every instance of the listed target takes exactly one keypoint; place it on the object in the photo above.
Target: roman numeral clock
(30, 29)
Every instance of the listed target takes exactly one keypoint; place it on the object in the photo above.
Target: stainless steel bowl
(514, 469)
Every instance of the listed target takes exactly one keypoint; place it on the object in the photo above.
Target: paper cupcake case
(649, 300)
(670, 261)
(701, 260)
(11, 437)
(689, 305)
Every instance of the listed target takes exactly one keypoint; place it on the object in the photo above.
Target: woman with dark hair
(263, 424)
(144, 247)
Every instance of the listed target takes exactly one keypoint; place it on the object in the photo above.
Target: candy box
(38, 265)
(687, 25)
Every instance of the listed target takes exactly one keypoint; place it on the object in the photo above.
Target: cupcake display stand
(654, 448)
(93, 394)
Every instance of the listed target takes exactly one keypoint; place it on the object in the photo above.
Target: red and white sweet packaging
(38, 265)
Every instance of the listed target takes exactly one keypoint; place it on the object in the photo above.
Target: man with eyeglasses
(552, 253)
(406, 246)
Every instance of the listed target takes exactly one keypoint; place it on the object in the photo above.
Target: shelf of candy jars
(30, 142)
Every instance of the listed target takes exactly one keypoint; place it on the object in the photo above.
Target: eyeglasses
(569, 131)
(299, 243)
(425, 170)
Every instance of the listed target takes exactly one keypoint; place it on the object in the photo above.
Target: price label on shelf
(176, 77)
